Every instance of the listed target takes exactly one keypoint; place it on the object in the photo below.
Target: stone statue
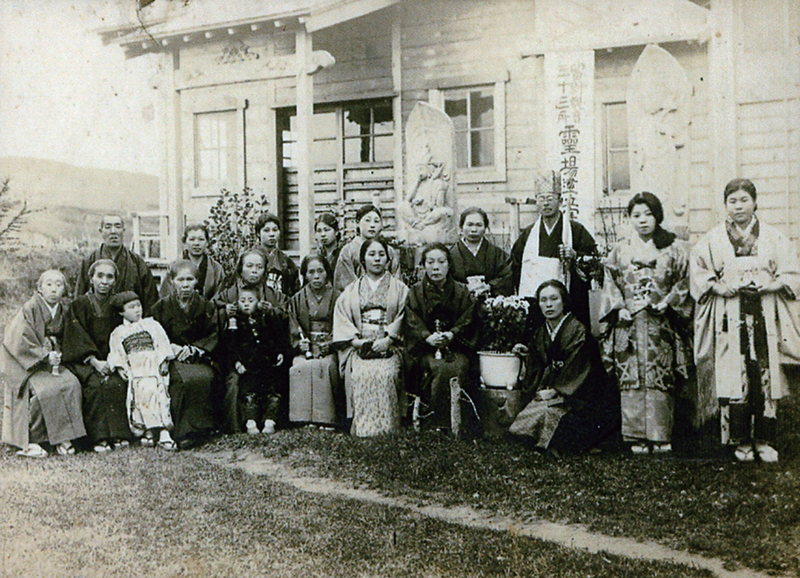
(659, 115)
(428, 211)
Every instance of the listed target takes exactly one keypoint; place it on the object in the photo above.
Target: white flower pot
(499, 370)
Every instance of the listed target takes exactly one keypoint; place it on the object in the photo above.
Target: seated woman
(438, 333)
(210, 275)
(573, 407)
(42, 401)
(367, 325)
(192, 324)
(314, 386)
(89, 323)
(483, 267)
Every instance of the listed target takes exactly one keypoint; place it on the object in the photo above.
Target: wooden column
(397, 104)
(170, 201)
(722, 99)
(305, 113)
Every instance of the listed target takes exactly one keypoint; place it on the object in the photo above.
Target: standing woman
(192, 324)
(210, 274)
(647, 306)
(42, 400)
(483, 267)
(367, 324)
(348, 267)
(314, 385)
(743, 274)
(573, 407)
(281, 272)
(438, 332)
(90, 321)
(326, 230)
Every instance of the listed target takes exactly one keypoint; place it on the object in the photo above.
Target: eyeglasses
(547, 198)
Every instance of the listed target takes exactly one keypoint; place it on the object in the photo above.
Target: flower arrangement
(502, 322)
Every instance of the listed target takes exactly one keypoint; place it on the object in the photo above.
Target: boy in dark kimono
(255, 350)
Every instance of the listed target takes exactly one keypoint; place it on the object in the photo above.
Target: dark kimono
(315, 391)
(193, 384)
(281, 273)
(491, 262)
(89, 323)
(332, 256)
(38, 406)
(210, 278)
(585, 412)
(133, 274)
(582, 243)
(255, 342)
(452, 306)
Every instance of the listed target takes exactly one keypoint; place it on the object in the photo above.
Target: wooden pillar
(722, 99)
(170, 201)
(305, 113)
(397, 104)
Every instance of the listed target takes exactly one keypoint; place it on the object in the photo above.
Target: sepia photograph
(400, 288)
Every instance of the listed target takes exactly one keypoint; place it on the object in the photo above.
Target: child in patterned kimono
(140, 352)
(255, 348)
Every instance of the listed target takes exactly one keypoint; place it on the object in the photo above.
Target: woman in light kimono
(314, 385)
(573, 407)
(139, 350)
(210, 274)
(483, 267)
(42, 400)
(648, 309)
(439, 334)
(348, 267)
(743, 276)
(367, 325)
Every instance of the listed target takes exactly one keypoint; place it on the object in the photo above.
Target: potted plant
(502, 322)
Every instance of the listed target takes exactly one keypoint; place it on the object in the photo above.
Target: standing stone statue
(659, 115)
(428, 211)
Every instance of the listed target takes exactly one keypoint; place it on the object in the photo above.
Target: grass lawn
(747, 514)
(140, 512)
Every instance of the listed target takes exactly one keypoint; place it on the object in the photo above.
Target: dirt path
(571, 536)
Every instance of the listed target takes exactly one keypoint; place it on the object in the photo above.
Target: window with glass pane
(215, 147)
(367, 130)
(616, 172)
(472, 112)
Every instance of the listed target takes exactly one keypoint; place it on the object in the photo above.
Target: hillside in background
(65, 202)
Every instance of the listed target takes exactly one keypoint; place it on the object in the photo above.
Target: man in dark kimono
(552, 252)
(133, 273)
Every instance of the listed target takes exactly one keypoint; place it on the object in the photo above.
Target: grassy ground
(140, 512)
(747, 514)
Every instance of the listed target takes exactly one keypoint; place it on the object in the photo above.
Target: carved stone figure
(428, 211)
(659, 116)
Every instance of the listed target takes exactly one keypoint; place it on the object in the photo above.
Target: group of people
(343, 342)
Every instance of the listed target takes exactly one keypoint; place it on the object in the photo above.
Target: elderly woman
(348, 267)
(89, 323)
(438, 332)
(314, 384)
(743, 276)
(485, 268)
(280, 270)
(192, 324)
(210, 275)
(573, 406)
(326, 232)
(367, 325)
(647, 306)
(42, 400)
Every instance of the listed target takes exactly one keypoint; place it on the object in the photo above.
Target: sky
(65, 96)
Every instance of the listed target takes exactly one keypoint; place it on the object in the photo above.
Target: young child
(140, 351)
(256, 348)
